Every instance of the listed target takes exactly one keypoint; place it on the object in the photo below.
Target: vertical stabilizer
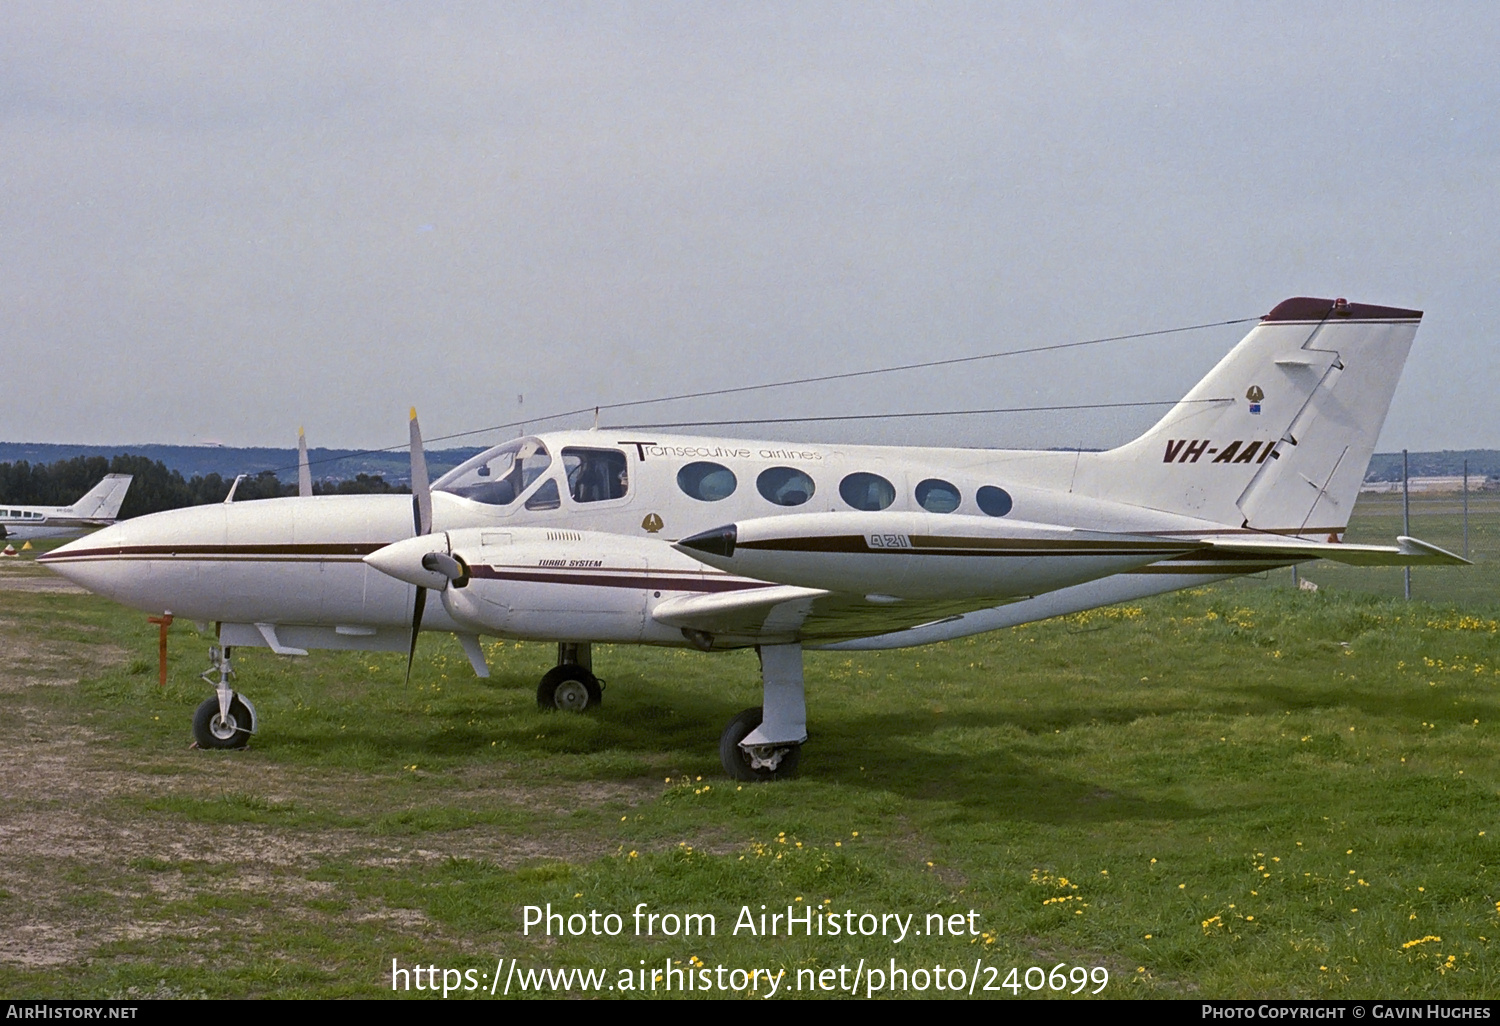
(1278, 436)
(102, 502)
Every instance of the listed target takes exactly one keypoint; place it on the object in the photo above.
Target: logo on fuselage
(652, 523)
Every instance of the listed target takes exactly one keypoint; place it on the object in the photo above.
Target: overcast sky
(223, 221)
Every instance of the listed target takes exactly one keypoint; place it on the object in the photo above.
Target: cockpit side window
(596, 475)
(544, 497)
(498, 476)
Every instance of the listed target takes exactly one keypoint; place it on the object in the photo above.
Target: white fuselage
(577, 566)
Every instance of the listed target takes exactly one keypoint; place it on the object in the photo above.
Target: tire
(736, 760)
(211, 732)
(569, 689)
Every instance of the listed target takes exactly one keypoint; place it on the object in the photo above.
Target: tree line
(156, 487)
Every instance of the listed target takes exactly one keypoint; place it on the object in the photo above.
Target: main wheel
(764, 762)
(211, 730)
(569, 688)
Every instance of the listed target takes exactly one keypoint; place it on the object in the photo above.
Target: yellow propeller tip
(413, 413)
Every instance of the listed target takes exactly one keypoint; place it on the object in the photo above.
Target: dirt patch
(94, 851)
(25, 576)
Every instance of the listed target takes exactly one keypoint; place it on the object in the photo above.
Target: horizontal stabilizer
(1406, 552)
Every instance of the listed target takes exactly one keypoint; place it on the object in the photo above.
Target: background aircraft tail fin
(1278, 436)
(102, 502)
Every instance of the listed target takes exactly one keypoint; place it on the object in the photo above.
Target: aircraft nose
(93, 561)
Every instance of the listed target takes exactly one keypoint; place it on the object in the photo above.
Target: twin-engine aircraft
(578, 537)
(98, 507)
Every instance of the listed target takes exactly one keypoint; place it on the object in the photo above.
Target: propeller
(414, 559)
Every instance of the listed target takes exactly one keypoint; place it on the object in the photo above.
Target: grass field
(1243, 790)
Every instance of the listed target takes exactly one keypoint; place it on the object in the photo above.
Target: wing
(783, 613)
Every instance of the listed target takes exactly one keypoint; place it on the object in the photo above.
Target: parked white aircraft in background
(98, 508)
(584, 536)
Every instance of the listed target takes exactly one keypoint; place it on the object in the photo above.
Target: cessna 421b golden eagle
(580, 536)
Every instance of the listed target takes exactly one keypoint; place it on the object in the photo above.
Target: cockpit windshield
(497, 476)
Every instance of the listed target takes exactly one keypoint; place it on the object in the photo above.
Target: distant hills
(228, 461)
(343, 464)
(1483, 463)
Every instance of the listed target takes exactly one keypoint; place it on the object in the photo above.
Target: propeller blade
(421, 491)
(416, 627)
(421, 511)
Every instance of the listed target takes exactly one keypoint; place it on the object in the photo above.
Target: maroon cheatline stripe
(1280, 532)
(1048, 544)
(639, 581)
(1220, 556)
(139, 551)
(922, 545)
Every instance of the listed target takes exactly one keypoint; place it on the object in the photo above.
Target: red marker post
(165, 620)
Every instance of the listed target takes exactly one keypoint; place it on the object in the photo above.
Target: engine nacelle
(549, 584)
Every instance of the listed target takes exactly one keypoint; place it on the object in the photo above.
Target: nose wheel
(212, 729)
(228, 719)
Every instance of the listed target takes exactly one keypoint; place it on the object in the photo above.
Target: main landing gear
(570, 686)
(228, 719)
(765, 743)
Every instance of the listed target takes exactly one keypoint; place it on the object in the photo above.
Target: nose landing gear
(228, 719)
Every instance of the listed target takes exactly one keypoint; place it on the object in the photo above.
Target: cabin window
(785, 486)
(867, 491)
(993, 501)
(498, 476)
(937, 496)
(596, 475)
(707, 482)
(544, 497)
